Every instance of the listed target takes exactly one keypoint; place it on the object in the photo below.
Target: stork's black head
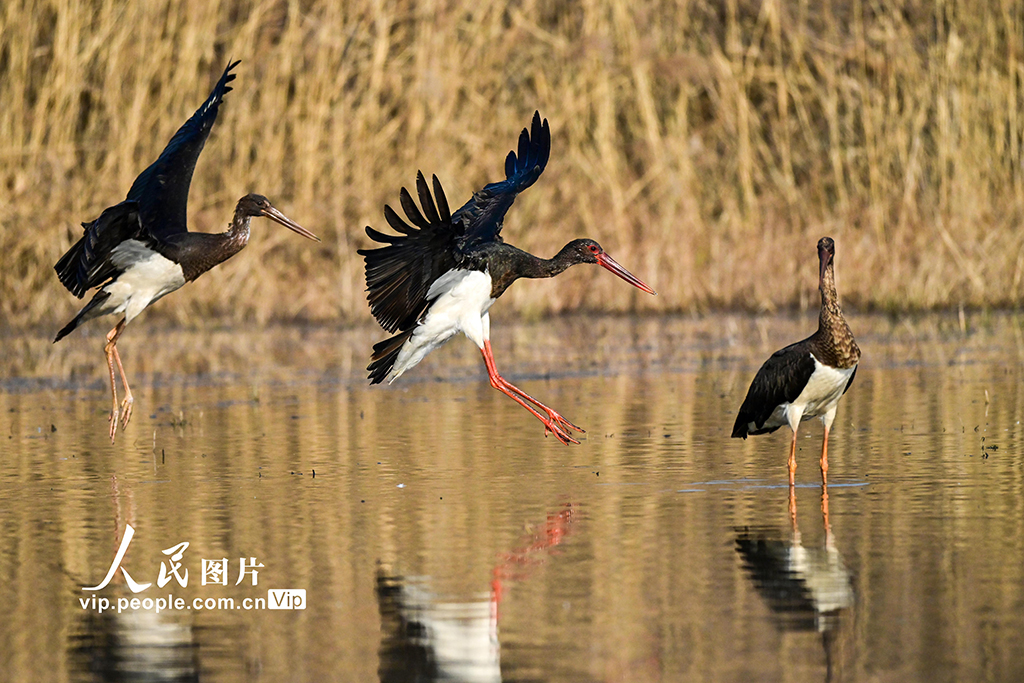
(583, 251)
(826, 253)
(253, 204)
(257, 205)
(589, 251)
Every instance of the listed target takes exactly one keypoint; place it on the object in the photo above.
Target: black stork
(805, 379)
(140, 250)
(443, 272)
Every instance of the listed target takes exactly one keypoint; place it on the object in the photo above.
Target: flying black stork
(805, 379)
(140, 250)
(443, 272)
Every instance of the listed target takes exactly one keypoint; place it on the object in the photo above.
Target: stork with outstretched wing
(443, 271)
(141, 250)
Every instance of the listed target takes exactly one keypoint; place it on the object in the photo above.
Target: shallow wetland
(438, 534)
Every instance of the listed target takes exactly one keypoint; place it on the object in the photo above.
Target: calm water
(439, 536)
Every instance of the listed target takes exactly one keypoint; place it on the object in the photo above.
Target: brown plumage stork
(805, 379)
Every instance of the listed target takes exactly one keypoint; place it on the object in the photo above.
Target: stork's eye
(593, 249)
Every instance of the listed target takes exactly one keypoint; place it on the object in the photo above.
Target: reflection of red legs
(792, 507)
(121, 499)
(792, 461)
(113, 357)
(554, 423)
(824, 515)
(824, 459)
(514, 564)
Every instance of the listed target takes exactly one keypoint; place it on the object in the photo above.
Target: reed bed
(706, 145)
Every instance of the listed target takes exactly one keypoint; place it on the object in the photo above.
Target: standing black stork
(442, 273)
(140, 250)
(805, 379)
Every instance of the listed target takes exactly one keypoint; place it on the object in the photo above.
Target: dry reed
(706, 145)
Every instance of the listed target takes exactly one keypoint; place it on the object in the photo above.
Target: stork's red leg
(554, 415)
(110, 349)
(129, 400)
(514, 391)
(824, 459)
(113, 390)
(553, 421)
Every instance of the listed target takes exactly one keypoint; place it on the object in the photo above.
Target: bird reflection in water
(426, 638)
(134, 645)
(806, 588)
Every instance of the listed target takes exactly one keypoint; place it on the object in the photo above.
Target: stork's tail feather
(68, 269)
(385, 354)
(747, 425)
(83, 315)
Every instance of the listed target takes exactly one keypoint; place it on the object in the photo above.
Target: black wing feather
(162, 189)
(396, 222)
(88, 263)
(442, 202)
(780, 380)
(854, 374)
(398, 276)
(409, 206)
(429, 210)
(377, 236)
(481, 218)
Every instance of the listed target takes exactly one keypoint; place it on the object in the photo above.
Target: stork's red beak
(278, 217)
(608, 263)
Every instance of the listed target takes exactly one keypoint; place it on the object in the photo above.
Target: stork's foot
(559, 426)
(126, 410)
(561, 433)
(554, 423)
(122, 415)
(561, 421)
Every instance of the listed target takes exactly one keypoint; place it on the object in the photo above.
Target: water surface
(439, 536)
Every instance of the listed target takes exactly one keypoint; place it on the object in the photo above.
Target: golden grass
(706, 145)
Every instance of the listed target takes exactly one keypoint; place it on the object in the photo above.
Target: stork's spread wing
(161, 191)
(399, 275)
(780, 380)
(88, 263)
(479, 221)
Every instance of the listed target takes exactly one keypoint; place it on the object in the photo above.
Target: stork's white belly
(147, 277)
(461, 299)
(819, 397)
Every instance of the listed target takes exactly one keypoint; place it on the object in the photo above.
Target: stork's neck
(234, 239)
(200, 251)
(237, 234)
(831, 314)
(537, 267)
(507, 264)
(832, 324)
